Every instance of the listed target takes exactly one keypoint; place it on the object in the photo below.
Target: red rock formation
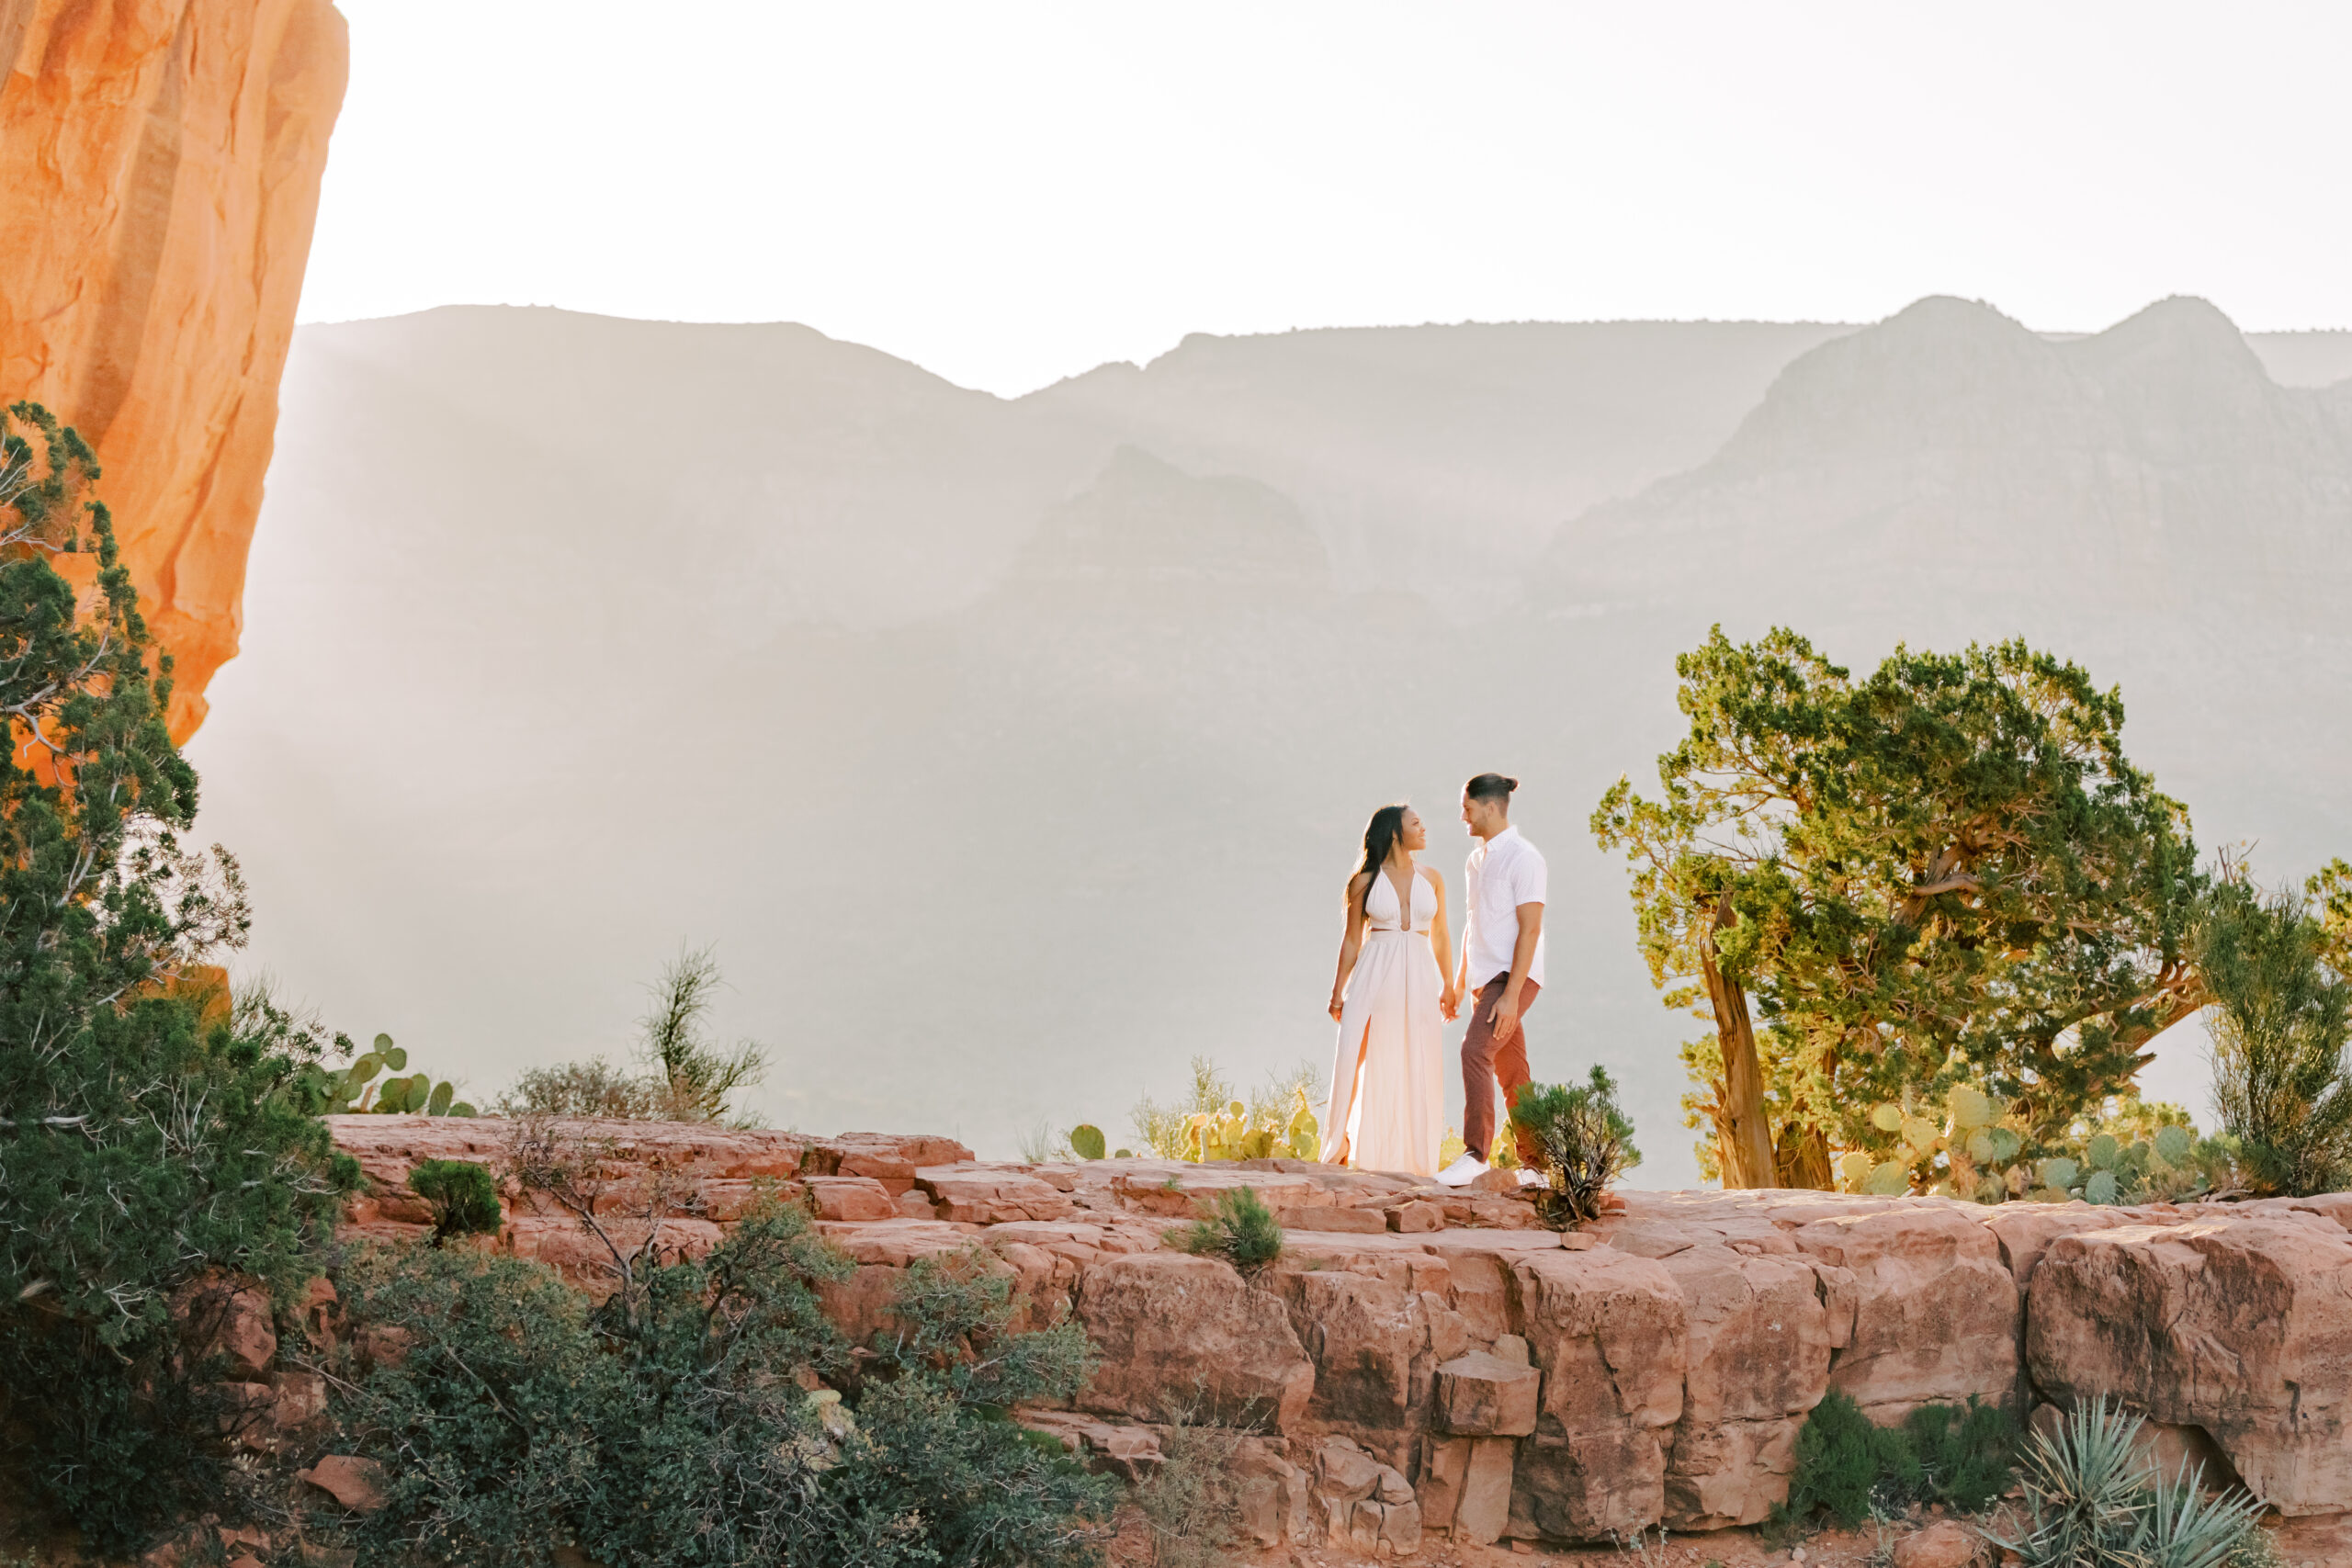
(159, 175)
(1486, 1380)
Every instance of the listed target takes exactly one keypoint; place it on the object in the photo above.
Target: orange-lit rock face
(159, 175)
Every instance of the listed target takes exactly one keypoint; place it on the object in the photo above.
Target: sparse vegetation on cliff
(686, 1077)
(1587, 1143)
(683, 1423)
(1964, 1457)
(1211, 1122)
(2092, 1497)
(152, 1135)
(1238, 1228)
(2282, 1015)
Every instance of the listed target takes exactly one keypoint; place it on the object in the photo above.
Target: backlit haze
(1010, 192)
(1007, 715)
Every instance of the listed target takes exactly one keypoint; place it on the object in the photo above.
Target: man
(1502, 966)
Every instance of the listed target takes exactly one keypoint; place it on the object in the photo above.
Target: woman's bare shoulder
(1358, 882)
(1434, 875)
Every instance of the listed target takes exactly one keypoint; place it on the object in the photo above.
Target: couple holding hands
(1400, 980)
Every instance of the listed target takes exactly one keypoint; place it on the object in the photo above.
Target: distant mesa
(159, 175)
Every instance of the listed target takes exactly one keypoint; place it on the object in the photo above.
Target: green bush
(671, 1425)
(2281, 1019)
(1962, 1457)
(1238, 1228)
(2090, 1498)
(464, 1198)
(144, 1145)
(593, 1088)
(1587, 1142)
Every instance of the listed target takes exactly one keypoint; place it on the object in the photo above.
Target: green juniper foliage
(1945, 873)
(464, 1198)
(1238, 1228)
(1587, 1143)
(2281, 1017)
(678, 1430)
(1963, 1457)
(142, 1146)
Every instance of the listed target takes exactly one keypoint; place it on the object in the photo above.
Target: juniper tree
(1946, 873)
(143, 1144)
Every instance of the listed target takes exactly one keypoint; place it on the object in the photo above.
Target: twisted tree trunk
(1742, 1135)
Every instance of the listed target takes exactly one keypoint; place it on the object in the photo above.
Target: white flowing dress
(1387, 1074)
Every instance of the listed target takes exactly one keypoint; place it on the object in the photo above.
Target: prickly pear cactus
(354, 1089)
(1230, 1136)
(1086, 1141)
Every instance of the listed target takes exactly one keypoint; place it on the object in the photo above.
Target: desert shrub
(1238, 1228)
(593, 1088)
(148, 1136)
(1041, 1144)
(1189, 1503)
(464, 1197)
(686, 1077)
(2280, 1022)
(676, 1428)
(2090, 1498)
(1962, 1458)
(693, 1079)
(1586, 1141)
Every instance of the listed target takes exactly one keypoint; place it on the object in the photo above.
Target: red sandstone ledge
(1424, 1358)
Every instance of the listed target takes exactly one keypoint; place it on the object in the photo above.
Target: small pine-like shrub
(464, 1198)
(1837, 1463)
(1962, 1457)
(1587, 1143)
(1238, 1228)
(2281, 1021)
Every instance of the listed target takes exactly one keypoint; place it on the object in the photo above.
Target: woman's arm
(1441, 947)
(1351, 940)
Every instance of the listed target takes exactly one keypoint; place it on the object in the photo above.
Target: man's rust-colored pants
(1485, 1064)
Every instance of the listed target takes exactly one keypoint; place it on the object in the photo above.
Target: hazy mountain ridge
(1012, 751)
(1948, 447)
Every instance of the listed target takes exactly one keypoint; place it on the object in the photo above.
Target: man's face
(1478, 814)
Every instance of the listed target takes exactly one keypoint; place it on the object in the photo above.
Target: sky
(1010, 192)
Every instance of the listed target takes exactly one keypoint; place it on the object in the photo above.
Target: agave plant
(2092, 1501)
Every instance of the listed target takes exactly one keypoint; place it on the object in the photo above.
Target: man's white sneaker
(1463, 1171)
(1531, 1177)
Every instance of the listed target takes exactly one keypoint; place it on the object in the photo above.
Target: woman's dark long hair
(1380, 836)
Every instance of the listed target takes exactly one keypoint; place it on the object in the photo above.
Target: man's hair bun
(1490, 786)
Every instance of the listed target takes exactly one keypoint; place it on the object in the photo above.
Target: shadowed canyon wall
(159, 177)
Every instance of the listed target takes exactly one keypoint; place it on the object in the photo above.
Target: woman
(1387, 1105)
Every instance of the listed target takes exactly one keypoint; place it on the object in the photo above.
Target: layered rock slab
(1654, 1368)
(2240, 1327)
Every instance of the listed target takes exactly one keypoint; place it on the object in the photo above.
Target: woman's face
(1411, 834)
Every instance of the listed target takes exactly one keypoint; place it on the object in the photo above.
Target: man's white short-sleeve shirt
(1505, 872)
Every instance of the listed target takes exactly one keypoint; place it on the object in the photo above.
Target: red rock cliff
(159, 176)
